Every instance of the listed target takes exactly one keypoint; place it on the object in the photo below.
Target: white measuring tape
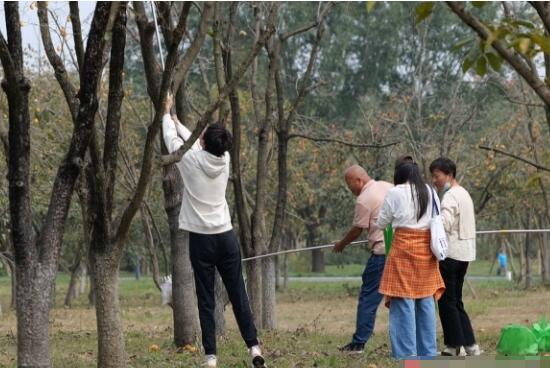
(158, 33)
(482, 232)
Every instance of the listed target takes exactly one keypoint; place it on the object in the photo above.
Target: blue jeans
(412, 327)
(369, 299)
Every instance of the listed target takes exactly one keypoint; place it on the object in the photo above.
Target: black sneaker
(258, 362)
(352, 348)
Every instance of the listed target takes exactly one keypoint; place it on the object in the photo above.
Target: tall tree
(36, 253)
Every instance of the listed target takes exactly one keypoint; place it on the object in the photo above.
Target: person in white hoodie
(212, 242)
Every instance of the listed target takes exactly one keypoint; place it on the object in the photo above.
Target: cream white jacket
(457, 212)
(204, 209)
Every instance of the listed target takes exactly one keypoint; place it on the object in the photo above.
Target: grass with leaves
(313, 319)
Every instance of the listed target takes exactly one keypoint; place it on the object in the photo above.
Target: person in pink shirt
(370, 196)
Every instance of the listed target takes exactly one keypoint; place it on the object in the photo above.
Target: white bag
(166, 290)
(439, 243)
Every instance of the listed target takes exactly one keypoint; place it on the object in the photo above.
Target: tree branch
(534, 164)
(114, 105)
(7, 61)
(201, 124)
(77, 33)
(17, 88)
(285, 123)
(240, 205)
(193, 50)
(544, 13)
(55, 60)
(345, 143)
(147, 161)
(70, 167)
(516, 62)
(150, 63)
(304, 29)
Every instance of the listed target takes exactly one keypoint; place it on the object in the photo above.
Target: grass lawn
(313, 320)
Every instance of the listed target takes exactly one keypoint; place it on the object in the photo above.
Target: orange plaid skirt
(411, 270)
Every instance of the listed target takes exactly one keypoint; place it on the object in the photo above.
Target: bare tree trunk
(36, 257)
(268, 283)
(34, 291)
(528, 275)
(221, 301)
(539, 261)
(111, 351)
(72, 289)
(521, 261)
(254, 286)
(53, 293)
(184, 299)
(91, 294)
(277, 274)
(317, 256)
(511, 257)
(150, 246)
(285, 271)
(317, 261)
(13, 286)
(83, 277)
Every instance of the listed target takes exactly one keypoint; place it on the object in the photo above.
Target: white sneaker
(451, 351)
(258, 360)
(473, 350)
(211, 361)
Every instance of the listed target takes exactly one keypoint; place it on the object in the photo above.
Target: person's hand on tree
(168, 103)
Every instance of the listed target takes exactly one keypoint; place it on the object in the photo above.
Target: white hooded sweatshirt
(204, 209)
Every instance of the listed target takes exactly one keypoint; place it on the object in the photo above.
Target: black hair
(402, 159)
(407, 171)
(444, 165)
(217, 139)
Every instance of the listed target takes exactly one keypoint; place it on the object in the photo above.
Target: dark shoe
(352, 348)
(258, 362)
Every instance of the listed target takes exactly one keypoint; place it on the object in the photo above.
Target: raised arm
(170, 134)
(175, 133)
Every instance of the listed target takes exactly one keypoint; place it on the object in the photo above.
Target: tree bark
(111, 351)
(317, 261)
(254, 288)
(269, 314)
(183, 291)
(150, 246)
(183, 296)
(36, 258)
(13, 301)
(285, 271)
(221, 301)
(72, 290)
(33, 290)
(528, 274)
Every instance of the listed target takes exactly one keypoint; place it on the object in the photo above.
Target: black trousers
(221, 251)
(457, 329)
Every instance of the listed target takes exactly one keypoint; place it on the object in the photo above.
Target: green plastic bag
(517, 340)
(541, 330)
(388, 237)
